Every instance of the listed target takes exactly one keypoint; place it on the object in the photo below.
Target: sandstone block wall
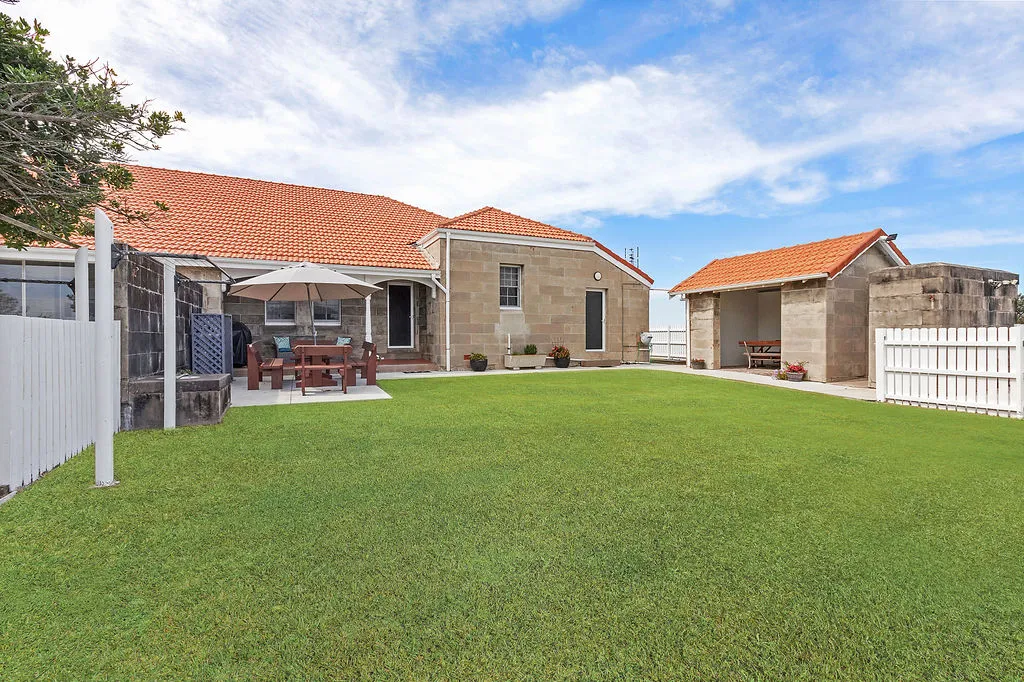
(705, 324)
(554, 284)
(847, 317)
(939, 295)
(804, 326)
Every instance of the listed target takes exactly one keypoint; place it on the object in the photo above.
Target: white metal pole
(880, 378)
(448, 301)
(170, 350)
(368, 332)
(82, 284)
(104, 361)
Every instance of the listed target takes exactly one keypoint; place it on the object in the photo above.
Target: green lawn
(583, 525)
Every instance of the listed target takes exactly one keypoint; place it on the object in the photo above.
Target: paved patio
(290, 394)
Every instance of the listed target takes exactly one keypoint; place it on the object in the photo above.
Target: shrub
(530, 349)
(476, 357)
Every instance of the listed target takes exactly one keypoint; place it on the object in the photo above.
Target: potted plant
(528, 358)
(478, 362)
(795, 371)
(698, 363)
(561, 356)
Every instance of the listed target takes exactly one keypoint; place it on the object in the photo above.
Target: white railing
(668, 343)
(47, 394)
(968, 370)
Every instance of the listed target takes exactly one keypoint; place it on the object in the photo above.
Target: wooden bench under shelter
(761, 351)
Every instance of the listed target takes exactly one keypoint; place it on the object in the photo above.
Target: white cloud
(962, 239)
(332, 95)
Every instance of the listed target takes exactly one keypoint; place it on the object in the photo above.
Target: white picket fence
(669, 343)
(47, 394)
(968, 370)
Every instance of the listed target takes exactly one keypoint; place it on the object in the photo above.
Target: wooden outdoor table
(313, 365)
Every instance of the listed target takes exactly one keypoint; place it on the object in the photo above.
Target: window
(53, 301)
(326, 313)
(280, 312)
(509, 286)
(10, 292)
(51, 298)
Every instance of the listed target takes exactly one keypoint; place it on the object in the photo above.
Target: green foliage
(612, 525)
(477, 357)
(530, 349)
(63, 134)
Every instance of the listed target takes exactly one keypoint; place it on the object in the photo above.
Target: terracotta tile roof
(826, 257)
(490, 219)
(228, 217)
(218, 215)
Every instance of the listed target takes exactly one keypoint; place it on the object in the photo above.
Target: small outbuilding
(811, 300)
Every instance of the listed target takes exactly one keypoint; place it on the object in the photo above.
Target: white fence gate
(669, 343)
(968, 370)
(47, 394)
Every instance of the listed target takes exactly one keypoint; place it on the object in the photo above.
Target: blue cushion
(344, 341)
(283, 343)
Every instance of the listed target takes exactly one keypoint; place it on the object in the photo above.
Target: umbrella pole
(312, 322)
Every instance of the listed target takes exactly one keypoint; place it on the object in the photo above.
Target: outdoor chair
(256, 366)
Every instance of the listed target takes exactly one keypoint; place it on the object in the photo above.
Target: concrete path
(842, 391)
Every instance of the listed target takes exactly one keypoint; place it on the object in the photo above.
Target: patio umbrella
(303, 282)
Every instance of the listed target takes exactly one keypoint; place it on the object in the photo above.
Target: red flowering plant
(559, 352)
(796, 367)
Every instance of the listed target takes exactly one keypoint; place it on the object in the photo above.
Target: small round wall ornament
(597, 276)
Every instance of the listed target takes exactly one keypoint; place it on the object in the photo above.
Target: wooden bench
(256, 367)
(367, 365)
(761, 351)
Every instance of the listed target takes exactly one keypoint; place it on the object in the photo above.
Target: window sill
(510, 307)
(278, 323)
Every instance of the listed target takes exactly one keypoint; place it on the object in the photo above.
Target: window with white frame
(510, 279)
(39, 289)
(280, 312)
(326, 313)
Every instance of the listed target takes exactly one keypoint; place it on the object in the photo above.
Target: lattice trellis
(211, 343)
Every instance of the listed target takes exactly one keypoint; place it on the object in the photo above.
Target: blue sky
(690, 129)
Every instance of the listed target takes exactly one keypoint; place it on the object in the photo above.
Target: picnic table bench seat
(367, 365)
(256, 367)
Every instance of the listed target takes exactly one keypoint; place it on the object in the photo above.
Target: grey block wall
(847, 317)
(804, 327)
(138, 307)
(939, 295)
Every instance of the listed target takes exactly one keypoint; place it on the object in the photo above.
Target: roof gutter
(750, 285)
